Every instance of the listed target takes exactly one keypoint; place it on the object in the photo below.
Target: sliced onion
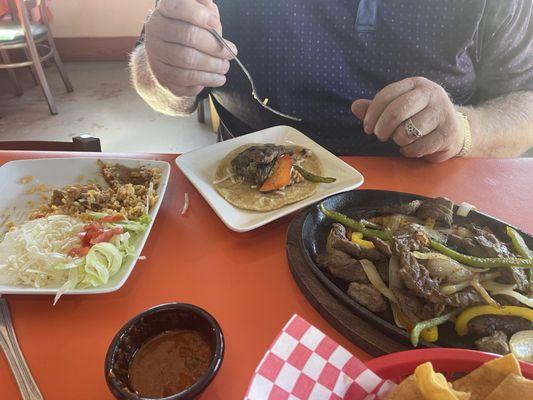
(376, 281)
(394, 272)
(395, 221)
(454, 288)
(451, 289)
(225, 178)
(185, 204)
(521, 345)
(464, 209)
(498, 287)
(483, 293)
(528, 301)
(430, 256)
(464, 232)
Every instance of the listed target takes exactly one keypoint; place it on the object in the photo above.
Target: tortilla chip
(434, 386)
(483, 380)
(513, 387)
(241, 195)
(407, 390)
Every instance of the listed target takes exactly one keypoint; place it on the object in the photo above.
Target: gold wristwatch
(467, 141)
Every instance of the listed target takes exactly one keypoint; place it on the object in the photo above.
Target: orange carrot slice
(281, 176)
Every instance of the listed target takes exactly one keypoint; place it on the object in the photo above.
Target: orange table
(241, 278)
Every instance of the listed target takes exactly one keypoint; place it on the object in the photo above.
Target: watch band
(467, 141)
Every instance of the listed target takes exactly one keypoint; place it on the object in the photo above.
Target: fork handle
(8, 341)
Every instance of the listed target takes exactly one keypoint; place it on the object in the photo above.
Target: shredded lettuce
(138, 225)
(102, 262)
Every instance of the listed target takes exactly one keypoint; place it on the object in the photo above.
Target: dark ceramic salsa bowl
(153, 322)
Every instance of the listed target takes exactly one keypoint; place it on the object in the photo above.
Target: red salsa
(169, 363)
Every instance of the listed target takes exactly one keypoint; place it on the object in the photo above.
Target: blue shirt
(313, 58)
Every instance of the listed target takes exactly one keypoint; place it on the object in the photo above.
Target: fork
(8, 341)
(255, 93)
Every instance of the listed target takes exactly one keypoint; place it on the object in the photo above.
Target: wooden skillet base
(354, 328)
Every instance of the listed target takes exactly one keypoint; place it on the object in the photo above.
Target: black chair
(86, 143)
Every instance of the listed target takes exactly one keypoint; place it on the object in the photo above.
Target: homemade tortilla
(241, 195)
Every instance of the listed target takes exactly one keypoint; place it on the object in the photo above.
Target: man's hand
(431, 111)
(183, 55)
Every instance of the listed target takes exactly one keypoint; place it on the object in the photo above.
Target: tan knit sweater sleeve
(156, 95)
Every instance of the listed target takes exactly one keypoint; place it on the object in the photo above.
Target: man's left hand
(431, 111)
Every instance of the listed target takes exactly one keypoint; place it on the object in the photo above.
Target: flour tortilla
(241, 195)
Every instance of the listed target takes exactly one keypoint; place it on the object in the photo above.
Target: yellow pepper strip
(358, 235)
(367, 244)
(461, 323)
(430, 334)
(430, 223)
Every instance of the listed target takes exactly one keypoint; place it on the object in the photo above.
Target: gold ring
(412, 131)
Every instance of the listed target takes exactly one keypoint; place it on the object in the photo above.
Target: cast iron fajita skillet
(364, 204)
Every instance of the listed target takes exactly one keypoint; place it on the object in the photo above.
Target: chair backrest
(19, 8)
(79, 143)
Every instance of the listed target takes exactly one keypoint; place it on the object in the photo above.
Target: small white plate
(200, 165)
(58, 172)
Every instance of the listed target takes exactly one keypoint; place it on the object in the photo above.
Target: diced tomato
(37, 215)
(112, 218)
(93, 226)
(79, 251)
(106, 236)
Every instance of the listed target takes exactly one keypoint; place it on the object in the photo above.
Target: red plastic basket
(452, 363)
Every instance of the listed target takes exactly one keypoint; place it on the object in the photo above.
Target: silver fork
(8, 341)
(255, 93)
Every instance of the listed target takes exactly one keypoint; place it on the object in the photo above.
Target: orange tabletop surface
(242, 279)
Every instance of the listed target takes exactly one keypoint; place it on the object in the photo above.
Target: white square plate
(58, 172)
(200, 165)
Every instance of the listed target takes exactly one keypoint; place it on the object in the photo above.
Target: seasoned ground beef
(128, 198)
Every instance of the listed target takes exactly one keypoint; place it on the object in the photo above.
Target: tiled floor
(104, 104)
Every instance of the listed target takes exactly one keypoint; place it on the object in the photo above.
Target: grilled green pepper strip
(482, 262)
(312, 177)
(355, 225)
(369, 224)
(418, 328)
(519, 243)
(521, 248)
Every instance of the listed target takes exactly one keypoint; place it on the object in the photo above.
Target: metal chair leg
(32, 68)
(11, 72)
(59, 64)
(41, 76)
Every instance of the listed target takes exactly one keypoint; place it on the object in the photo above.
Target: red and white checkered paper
(305, 364)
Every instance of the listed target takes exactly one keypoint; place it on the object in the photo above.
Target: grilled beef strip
(406, 208)
(409, 238)
(515, 276)
(486, 325)
(416, 277)
(342, 266)
(440, 209)
(337, 239)
(368, 296)
(382, 246)
(255, 164)
(495, 343)
(414, 308)
(464, 298)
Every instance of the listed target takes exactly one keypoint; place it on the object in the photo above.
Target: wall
(97, 30)
(99, 18)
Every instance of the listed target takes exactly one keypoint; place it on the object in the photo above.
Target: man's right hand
(183, 55)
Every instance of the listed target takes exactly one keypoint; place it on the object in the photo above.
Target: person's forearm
(156, 95)
(501, 127)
